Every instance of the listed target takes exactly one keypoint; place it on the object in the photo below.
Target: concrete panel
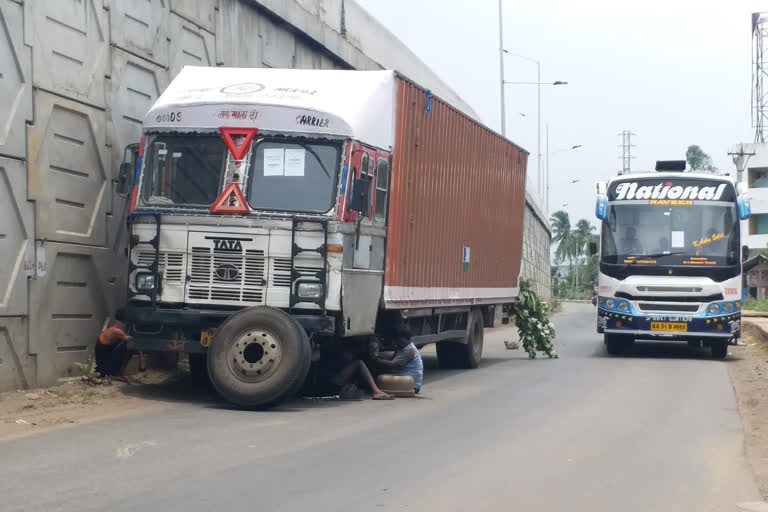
(16, 236)
(17, 367)
(307, 57)
(326, 11)
(15, 76)
(70, 47)
(67, 175)
(189, 46)
(279, 45)
(141, 27)
(133, 88)
(201, 13)
(238, 42)
(73, 300)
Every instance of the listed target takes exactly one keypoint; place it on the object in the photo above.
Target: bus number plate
(669, 326)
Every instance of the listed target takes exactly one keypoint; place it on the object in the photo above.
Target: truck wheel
(719, 349)
(464, 355)
(618, 345)
(198, 367)
(258, 357)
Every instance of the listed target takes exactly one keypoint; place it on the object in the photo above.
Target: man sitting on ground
(343, 368)
(406, 360)
(111, 352)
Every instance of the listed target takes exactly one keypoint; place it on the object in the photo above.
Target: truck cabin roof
(313, 103)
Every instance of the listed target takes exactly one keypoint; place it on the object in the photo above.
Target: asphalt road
(657, 431)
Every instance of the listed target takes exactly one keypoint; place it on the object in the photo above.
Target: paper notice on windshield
(678, 239)
(274, 162)
(294, 162)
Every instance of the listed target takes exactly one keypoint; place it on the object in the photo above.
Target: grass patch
(756, 305)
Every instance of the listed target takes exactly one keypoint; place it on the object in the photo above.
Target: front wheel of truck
(259, 357)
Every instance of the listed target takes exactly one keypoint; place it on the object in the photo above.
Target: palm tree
(584, 230)
(561, 230)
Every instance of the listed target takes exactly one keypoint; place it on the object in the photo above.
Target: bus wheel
(258, 357)
(719, 349)
(618, 344)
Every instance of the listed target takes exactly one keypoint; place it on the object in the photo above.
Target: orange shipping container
(455, 210)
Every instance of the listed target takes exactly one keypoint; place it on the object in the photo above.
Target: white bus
(670, 258)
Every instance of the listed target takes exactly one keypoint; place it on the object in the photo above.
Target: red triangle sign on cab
(238, 151)
(231, 201)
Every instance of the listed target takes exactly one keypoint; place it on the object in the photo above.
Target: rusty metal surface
(455, 184)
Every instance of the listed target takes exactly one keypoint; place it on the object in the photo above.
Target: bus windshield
(698, 234)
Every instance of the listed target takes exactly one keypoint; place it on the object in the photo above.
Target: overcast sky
(675, 72)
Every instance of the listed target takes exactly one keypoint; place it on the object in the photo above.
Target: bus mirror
(592, 248)
(124, 179)
(745, 208)
(361, 196)
(744, 253)
(601, 207)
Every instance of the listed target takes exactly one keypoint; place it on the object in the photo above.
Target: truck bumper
(159, 329)
(647, 325)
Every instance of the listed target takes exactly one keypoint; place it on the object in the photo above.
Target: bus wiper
(317, 157)
(655, 255)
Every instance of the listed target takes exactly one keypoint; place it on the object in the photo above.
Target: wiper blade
(317, 157)
(660, 254)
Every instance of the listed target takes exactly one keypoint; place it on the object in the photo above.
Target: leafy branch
(533, 325)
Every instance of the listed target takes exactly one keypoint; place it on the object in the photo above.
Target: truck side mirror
(360, 198)
(124, 179)
(592, 248)
(744, 253)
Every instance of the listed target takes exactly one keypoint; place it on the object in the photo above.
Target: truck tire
(259, 357)
(464, 355)
(719, 349)
(617, 344)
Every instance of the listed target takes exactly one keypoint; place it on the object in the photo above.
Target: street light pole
(538, 125)
(501, 73)
(546, 200)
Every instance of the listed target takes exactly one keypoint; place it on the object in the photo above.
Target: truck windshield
(699, 234)
(183, 170)
(296, 176)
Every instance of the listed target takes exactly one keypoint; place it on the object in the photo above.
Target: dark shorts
(110, 358)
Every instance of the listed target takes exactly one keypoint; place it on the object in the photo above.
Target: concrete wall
(537, 238)
(76, 78)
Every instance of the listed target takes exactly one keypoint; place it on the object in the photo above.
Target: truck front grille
(281, 271)
(212, 276)
(171, 264)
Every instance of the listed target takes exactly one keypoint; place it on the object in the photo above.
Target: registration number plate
(669, 326)
(206, 335)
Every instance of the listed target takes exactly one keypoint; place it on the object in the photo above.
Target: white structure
(755, 179)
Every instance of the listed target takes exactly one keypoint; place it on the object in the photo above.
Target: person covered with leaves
(533, 325)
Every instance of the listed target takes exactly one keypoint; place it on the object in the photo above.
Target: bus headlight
(610, 303)
(728, 307)
(310, 290)
(713, 309)
(624, 305)
(145, 282)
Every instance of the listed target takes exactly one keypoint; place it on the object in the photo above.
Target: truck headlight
(610, 303)
(145, 282)
(713, 309)
(728, 307)
(624, 305)
(310, 290)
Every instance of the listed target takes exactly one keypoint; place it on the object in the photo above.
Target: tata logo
(227, 272)
(226, 245)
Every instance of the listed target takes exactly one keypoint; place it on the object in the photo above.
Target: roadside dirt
(749, 373)
(74, 402)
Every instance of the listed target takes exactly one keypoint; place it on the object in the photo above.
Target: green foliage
(89, 373)
(533, 325)
(756, 305)
(698, 160)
